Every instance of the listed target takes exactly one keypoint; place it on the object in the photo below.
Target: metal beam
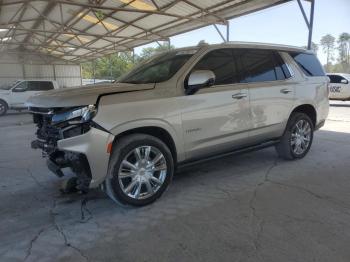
(222, 36)
(304, 14)
(312, 11)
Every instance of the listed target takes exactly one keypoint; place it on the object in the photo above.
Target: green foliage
(115, 65)
(327, 43)
(150, 51)
(342, 64)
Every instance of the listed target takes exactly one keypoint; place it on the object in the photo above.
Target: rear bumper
(93, 145)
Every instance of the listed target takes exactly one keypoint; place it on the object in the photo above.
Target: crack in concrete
(61, 232)
(260, 221)
(35, 179)
(315, 195)
(83, 209)
(31, 243)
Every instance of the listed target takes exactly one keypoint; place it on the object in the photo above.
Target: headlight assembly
(76, 116)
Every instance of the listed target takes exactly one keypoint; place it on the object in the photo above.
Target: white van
(339, 86)
(14, 96)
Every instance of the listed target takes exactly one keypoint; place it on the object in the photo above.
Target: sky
(283, 24)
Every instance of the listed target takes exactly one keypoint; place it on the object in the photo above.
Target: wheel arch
(7, 104)
(156, 131)
(307, 109)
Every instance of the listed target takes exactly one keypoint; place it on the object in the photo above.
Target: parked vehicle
(339, 86)
(15, 95)
(180, 107)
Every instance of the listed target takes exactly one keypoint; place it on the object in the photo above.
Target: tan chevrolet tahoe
(181, 107)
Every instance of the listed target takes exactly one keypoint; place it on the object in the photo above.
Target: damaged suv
(180, 107)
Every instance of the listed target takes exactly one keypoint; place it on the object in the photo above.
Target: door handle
(239, 96)
(285, 91)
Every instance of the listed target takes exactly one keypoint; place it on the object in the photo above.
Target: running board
(234, 152)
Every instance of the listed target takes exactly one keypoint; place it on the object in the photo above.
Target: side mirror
(344, 81)
(199, 79)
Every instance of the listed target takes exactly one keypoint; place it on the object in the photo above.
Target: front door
(216, 119)
(19, 94)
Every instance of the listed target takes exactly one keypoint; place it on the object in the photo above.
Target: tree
(344, 48)
(327, 43)
(150, 51)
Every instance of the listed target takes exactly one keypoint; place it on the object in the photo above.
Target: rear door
(216, 119)
(271, 96)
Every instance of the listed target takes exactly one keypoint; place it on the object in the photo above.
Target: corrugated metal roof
(85, 29)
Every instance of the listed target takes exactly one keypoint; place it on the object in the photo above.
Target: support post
(221, 35)
(93, 71)
(228, 31)
(309, 22)
(312, 10)
(110, 68)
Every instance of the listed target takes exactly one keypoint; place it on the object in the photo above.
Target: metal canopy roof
(82, 30)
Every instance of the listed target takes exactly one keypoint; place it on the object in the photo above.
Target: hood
(80, 96)
(4, 92)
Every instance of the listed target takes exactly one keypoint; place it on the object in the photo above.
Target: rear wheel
(3, 107)
(297, 138)
(140, 170)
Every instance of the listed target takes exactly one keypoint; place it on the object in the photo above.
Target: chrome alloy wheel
(301, 137)
(142, 172)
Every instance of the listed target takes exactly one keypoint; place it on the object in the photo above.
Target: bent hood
(80, 96)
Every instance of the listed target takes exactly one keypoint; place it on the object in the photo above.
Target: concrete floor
(251, 207)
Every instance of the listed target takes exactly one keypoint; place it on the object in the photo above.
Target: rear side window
(40, 85)
(308, 63)
(261, 65)
(221, 63)
(46, 85)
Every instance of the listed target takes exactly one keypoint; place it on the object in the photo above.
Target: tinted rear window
(308, 63)
(261, 65)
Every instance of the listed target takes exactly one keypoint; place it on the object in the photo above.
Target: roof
(86, 29)
(258, 45)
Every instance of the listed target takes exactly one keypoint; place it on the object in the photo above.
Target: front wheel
(297, 138)
(3, 107)
(141, 168)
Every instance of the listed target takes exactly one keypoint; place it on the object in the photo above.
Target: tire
(143, 182)
(3, 107)
(295, 144)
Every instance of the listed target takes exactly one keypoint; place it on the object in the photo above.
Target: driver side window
(21, 87)
(221, 63)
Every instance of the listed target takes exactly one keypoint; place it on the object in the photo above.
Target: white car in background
(339, 87)
(15, 95)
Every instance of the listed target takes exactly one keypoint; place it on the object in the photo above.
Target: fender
(174, 132)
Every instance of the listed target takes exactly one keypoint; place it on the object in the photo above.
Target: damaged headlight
(75, 116)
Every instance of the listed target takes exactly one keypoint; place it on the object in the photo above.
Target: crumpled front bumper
(93, 145)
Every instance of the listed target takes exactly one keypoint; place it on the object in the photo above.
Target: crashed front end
(69, 138)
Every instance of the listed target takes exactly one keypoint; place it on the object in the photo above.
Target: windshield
(159, 68)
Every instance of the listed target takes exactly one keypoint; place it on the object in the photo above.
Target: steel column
(312, 10)
(228, 31)
(218, 30)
